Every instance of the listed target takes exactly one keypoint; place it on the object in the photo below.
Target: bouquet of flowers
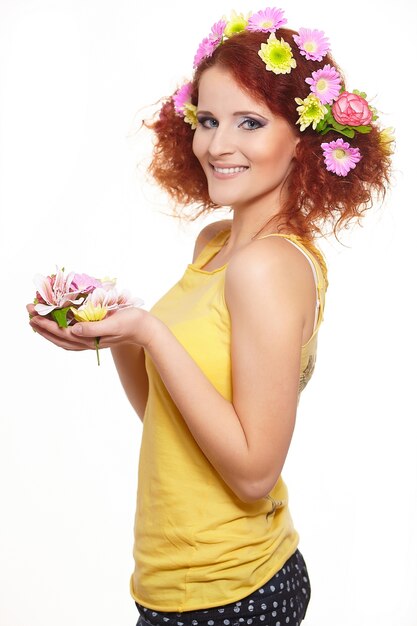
(79, 298)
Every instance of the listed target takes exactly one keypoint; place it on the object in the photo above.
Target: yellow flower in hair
(311, 111)
(236, 24)
(190, 114)
(387, 140)
(277, 55)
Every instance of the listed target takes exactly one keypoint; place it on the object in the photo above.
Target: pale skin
(269, 291)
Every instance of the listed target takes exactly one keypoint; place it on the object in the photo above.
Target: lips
(223, 171)
(229, 170)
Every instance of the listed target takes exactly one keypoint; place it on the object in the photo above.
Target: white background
(74, 74)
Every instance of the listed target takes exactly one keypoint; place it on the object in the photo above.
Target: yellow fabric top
(197, 545)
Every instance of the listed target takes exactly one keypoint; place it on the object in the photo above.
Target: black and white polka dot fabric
(282, 601)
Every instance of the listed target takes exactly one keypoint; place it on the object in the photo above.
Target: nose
(222, 142)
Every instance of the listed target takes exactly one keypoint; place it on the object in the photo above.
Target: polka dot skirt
(282, 601)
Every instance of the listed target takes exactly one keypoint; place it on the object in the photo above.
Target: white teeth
(229, 170)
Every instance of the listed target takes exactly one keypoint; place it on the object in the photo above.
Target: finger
(51, 331)
(31, 310)
(91, 329)
(63, 342)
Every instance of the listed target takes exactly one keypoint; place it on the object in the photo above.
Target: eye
(250, 124)
(207, 122)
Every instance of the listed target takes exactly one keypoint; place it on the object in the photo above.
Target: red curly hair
(316, 197)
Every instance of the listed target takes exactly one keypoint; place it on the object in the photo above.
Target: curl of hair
(315, 197)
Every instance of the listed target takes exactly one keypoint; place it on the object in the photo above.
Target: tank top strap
(211, 248)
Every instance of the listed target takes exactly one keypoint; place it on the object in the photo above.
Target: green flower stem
(96, 342)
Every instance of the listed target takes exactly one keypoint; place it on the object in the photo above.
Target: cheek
(198, 144)
(275, 158)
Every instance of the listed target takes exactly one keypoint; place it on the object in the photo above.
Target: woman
(216, 367)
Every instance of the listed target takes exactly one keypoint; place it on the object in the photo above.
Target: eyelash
(202, 121)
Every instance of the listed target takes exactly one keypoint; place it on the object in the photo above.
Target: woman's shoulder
(208, 233)
(272, 263)
(265, 253)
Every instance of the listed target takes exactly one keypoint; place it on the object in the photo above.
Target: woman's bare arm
(270, 294)
(130, 364)
(247, 440)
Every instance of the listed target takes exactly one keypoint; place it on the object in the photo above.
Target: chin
(223, 198)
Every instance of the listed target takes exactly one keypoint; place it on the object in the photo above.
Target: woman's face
(245, 150)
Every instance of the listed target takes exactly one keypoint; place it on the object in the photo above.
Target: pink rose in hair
(351, 110)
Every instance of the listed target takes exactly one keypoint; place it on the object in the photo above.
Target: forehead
(218, 88)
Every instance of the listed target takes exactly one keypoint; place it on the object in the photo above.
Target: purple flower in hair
(181, 97)
(267, 21)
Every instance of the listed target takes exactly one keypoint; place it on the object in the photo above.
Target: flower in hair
(210, 43)
(387, 140)
(313, 44)
(311, 111)
(205, 49)
(267, 21)
(236, 24)
(277, 55)
(181, 97)
(217, 31)
(325, 84)
(190, 114)
(351, 109)
(340, 157)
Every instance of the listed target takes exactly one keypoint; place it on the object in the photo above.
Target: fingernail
(78, 329)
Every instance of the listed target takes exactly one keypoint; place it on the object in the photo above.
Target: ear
(296, 142)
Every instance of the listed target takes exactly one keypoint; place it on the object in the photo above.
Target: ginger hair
(315, 198)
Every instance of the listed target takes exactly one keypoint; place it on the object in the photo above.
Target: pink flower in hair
(325, 84)
(267, 21)
(313, 44)
(205, 49)
(181, 97)
(210, 43)
(352, 110)
(217, 31)
(340, 157)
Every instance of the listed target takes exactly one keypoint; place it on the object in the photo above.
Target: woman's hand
(124, 327)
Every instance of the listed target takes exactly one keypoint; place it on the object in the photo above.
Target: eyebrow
(236, 114)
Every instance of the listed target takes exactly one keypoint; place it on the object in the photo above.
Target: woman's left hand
(126, 326)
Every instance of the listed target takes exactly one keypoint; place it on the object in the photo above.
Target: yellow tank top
(197, 545)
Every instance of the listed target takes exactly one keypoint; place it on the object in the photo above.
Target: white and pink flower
(217, 31)
(325, 84)
(340, 157)
(56, 292)
(267, 21)
(111, 299)
(313, 44)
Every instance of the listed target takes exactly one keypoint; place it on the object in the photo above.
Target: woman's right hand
(49, 329)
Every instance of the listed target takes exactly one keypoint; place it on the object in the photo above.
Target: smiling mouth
(229, 170)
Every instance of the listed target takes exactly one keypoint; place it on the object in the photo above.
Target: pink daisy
(182, 96)
(267, 21)
(340, 157)
(312, 43)
(217, 31)
(325, 84)
(205, 49)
